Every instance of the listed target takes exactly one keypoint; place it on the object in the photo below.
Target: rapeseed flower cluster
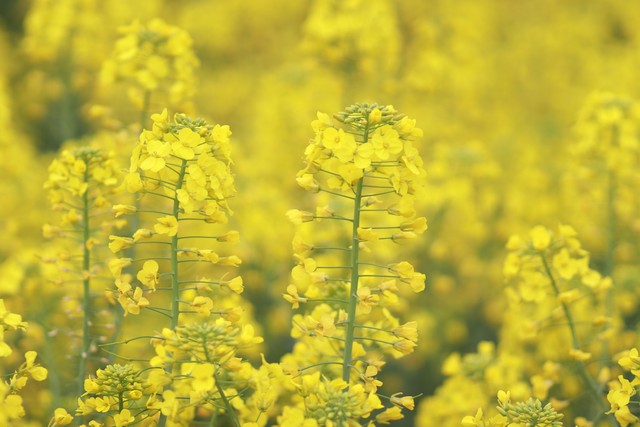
(364, 165)
(81, 182)
(180, 170)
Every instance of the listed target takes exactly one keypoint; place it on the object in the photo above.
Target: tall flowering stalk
(181, 168)
(606, 149)
(80, 182)
(152, 60)
(184, 166)
(550, 284)
(366, 169)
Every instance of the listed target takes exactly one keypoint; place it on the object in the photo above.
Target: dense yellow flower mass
(390, 212)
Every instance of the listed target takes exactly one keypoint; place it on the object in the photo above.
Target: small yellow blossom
(166, 225)
(120, 210)
(60, 418)
(297, 217)
(149, 274)
(540, 237)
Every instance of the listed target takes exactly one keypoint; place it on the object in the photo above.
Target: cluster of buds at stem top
(529, 413)
(367, 171)
(556, 298)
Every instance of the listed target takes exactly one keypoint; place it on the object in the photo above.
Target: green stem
(175, 277)
(612, 224)
(353, 296)
(86, 288)
(223, 396)
(55, 385)
(355, 274)
(225, 399)
(565, 307)
(145, 109)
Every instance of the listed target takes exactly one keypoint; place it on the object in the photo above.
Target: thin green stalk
(223, 396)
(55, 385)
(355, 274)
(144, 112)
(175, 277)
(225, 399)
(86, 288)
(609, 261)
(353, 296)
(612, 225)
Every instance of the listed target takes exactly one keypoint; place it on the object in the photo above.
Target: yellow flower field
(320, 213)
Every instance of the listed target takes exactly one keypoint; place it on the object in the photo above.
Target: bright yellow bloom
(36, 372)
(297, 217)
(631, 361)
(202, 305)
(308, 182)
(231, 236)
(371, 383)
(405, 401)
(620, 397)
(158, 151)
(386, 142)
(625, 417)
(142, 233)
(184, 147)
(367, 235)
(404, 346)
(116, 265)
(540, 237)
(120, 210)
(149, 274)
(124, 418)
(60, 418)
(235, 284)
(135, 302)
(293, 297)
(166, 225)
(118, 243)
(393, 413)
(418, 225)
(366, 300)
(202, 374)
(408, 331)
